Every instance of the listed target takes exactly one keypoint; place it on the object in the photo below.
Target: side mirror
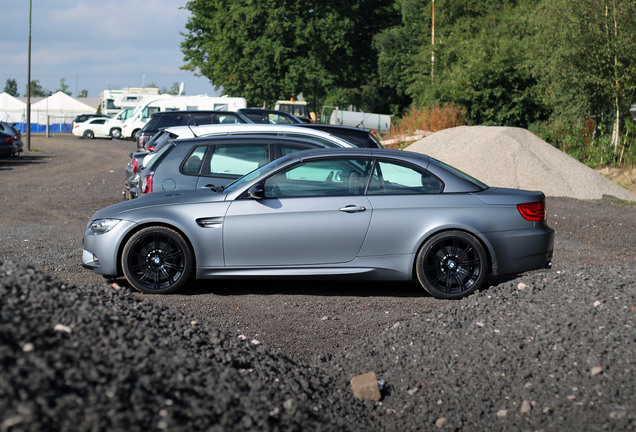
(256, 192)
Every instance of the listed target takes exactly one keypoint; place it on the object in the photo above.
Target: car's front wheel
(88, 134)
(115, 133)
(157, 260)
(451, 265)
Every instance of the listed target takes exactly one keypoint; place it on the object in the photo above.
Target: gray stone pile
(516, 158)
(548, 351)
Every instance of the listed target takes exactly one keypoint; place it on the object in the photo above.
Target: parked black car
(83, 117)
(166, 119)
(360, 137)
(267, 116)
(10, 140)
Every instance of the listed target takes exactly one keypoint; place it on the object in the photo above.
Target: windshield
(254, 174)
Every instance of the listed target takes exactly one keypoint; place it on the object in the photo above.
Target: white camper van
(112, 101)
(142, 113)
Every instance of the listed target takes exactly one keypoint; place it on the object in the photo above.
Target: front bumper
(101, 250)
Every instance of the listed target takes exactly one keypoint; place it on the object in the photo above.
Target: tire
(88, 134)
(135, 135)
(451, 265)
(157, 260)
(115, 133)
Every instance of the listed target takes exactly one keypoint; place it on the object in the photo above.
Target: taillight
(532, 211)
(150, 148)
(135, 166)
(146, 184)
(8, 140)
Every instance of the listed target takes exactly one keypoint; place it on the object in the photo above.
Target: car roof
(163, 113)
(239, 139)
(196, 131)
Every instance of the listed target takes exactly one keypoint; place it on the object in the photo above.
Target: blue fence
(54, 128)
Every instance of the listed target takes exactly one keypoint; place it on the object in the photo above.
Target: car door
(313, 213)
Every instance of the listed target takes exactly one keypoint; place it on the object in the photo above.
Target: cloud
(94, 43)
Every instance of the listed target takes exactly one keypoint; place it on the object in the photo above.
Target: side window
(278, 119)
(331, 177)
(236, 160)
(315, 138)
(289, 149)
(391, 178)
(192, 164)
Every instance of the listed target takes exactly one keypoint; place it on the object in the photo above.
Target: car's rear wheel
(88, 134)
(157, 260)
(451, 265)
(115, 133)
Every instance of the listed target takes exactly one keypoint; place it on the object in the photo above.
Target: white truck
(142, 113)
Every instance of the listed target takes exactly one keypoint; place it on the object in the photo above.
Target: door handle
(352, 209)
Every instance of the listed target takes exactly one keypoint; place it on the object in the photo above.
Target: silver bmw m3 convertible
(368, 213)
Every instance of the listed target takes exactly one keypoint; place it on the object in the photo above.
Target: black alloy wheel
(451, 265)
(157, 260)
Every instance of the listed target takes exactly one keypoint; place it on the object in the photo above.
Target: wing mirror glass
(256, 191)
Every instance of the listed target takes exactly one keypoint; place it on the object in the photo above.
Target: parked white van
(142, 113)
(113, 125)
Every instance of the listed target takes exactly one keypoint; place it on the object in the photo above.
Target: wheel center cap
(451, 265)
(156, 260)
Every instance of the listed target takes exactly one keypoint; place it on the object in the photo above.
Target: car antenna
(193, 132)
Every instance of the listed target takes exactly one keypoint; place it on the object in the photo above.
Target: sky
(96, 45)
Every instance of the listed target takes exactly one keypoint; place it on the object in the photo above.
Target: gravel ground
(546, 350)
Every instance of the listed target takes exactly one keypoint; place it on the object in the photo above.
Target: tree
(11, 87)
(36, 89)
(269, 50)
(83, 94)
(173, 90)
(63, 87)
(588, 60)
(480, 59)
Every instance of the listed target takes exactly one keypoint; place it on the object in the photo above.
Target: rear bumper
(523, 250)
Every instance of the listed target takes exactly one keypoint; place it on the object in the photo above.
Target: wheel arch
(137, 228)
(490, 253)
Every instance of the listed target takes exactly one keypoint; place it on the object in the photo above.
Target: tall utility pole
(28, 119)
(433, 44)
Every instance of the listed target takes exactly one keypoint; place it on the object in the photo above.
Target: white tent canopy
(60, 108)
(12, 110)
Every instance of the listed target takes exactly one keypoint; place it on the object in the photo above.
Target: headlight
(103, 225)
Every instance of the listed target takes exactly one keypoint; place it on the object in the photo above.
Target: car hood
(158, 199)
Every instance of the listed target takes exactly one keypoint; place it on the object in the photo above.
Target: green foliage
(11, 87)
(36, 89)
(83, 93)
(63, 87)
(268, 50)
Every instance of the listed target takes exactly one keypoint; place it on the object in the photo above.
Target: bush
(431, 119)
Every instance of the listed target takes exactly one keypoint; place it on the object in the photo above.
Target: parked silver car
(369, 213)
(141, 160)
(212, 162)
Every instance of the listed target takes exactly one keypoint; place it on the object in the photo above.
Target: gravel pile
(549, 351)
(99, 358)
(516, 158)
